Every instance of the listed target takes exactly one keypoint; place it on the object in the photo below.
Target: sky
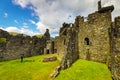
(35, 16)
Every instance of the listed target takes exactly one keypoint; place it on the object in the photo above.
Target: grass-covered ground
(34, 69)
(31, 69)
(85, 70)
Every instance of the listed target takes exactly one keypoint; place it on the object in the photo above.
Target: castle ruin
(14, 46)
(97, 39)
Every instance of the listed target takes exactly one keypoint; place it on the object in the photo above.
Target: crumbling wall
(71, 54)
(62, 40)
(17, 45)
(114, 63)
(56, 44)
(93, 37)
(39, 44)
(49, 47)
(36, 46)
(97, 39)
(3, 39)
(67, 45)
(48, 43)
(61, 45)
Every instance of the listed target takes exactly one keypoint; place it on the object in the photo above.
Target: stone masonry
(96, 39)
(20, 44)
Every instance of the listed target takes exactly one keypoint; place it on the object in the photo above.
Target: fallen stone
(50, 59)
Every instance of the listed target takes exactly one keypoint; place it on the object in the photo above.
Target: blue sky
(34, 16)
(12, 15)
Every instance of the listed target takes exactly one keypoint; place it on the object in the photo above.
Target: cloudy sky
(34, 16)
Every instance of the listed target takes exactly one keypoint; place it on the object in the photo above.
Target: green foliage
(2, 40)
(31, 69)
(85, 70)
(31, 42)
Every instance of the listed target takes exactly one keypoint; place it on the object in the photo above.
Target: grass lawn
(31, 69)
(85, 70)
(34, 69)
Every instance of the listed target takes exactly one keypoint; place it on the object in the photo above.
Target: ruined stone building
(13, 46)
(97, 39)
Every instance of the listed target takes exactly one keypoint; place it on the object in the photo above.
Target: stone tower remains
(96, 39)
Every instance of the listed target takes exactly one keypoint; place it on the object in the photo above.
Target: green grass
(85, 70)
(31, 69)
(34, 69)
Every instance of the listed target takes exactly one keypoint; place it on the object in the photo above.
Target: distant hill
(38, 35)
(14, 33)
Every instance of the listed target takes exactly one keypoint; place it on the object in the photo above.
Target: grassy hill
(34, 69)
(14, 33)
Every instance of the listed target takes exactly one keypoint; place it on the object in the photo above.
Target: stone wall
(71, 53)
(37, 46)
(17, 45)
(97, 39)
(5, 35)
(93, 37)
(114, 62)
(49, 47)
(66, 45)
(62, 40)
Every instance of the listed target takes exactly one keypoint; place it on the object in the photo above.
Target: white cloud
(31, 21)
(52, 13)
(5, 15)
(41, 27)
(23, 3)
(12, 29)
(19, 30)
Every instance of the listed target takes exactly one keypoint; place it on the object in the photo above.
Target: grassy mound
(85, 70)
(31, 69)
